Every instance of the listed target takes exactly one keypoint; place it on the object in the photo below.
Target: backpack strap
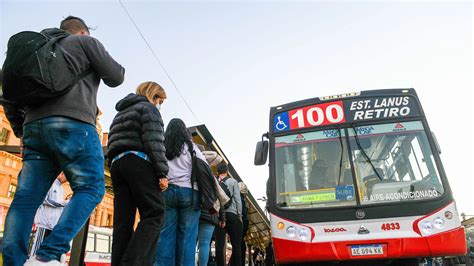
(223, 182)
(54, 36)
(193, 173)
(79, 76)
(193, 164)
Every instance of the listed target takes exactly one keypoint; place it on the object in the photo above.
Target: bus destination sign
(338, 112)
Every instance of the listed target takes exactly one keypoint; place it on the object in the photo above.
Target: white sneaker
(63, 260)
(35, 262)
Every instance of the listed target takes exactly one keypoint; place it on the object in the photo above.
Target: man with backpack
(58, 134)
(233, 223)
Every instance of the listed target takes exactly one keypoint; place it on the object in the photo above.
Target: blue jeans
(177, 243)
(52, 145)
(204, 243)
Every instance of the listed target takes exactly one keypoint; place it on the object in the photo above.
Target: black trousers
(233, 227)
(135, 186)
(242, 244)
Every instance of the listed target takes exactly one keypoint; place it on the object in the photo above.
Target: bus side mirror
(438, 148)
(261, 153)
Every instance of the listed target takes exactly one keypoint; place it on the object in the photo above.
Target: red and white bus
(358, 176)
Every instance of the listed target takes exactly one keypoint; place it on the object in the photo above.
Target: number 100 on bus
(310, 116)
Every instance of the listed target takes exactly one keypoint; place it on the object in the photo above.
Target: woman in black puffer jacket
(138, 167)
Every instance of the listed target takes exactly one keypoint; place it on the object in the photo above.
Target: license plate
(367, 250)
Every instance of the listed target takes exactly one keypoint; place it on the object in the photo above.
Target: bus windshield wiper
(342, 155)
(364, 154)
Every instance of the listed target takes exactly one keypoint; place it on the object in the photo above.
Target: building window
(109, 220)
(14, 164)
(11, 190)
(8, 162)
(4, 134)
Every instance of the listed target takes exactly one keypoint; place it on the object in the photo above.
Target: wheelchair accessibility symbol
(280, 122)
(280, 125)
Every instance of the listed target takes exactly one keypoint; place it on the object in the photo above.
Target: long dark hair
(176, 135)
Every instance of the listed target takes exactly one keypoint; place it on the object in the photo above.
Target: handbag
(221, 195)
(217, 205)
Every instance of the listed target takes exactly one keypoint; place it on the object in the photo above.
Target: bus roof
(342, 96)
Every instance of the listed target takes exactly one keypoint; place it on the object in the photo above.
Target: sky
(232, 61)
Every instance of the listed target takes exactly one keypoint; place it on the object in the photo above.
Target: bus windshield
(398, 164)
(313, 170)
(390, 163)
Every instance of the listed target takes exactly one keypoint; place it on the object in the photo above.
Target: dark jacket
(83, 52)
(245, 218)
(269, 255)
(138, 127)
(212, 218)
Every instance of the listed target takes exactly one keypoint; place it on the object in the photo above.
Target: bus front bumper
(450, 243)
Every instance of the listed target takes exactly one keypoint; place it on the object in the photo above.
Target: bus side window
(90, 245)
(102, 243)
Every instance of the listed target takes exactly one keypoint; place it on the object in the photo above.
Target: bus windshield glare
(386, 163)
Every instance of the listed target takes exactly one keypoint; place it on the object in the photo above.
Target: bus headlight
(303, 234)
(448, 215)
(427, 227)
(291, 231)
(439, 223)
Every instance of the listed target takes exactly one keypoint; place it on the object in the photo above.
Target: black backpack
(227, 192)
(36, 68)
(202, 174)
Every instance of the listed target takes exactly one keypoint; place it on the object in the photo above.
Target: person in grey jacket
(138, 169)
(60, 135)
(233, 223)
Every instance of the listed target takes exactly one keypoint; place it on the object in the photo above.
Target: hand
(68, 197)
(163, 183)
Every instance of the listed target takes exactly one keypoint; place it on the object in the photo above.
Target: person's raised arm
(111, 72)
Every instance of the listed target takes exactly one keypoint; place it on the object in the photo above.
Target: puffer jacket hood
(129, 100)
